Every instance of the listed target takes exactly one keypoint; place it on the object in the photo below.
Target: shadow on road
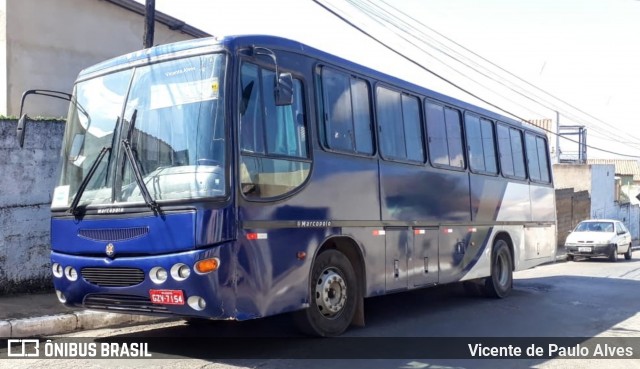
(549, 308)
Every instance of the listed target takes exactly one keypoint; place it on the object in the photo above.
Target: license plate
(167, 297)
(584, 249)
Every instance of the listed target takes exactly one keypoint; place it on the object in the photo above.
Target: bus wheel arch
(337, 269)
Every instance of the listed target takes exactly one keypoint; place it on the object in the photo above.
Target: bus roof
(235, 42)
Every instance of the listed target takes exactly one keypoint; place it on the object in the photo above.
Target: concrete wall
(576, 176)
(26, 185)
(603, 189)
(629, 214)
(598, 182)
(49, 42)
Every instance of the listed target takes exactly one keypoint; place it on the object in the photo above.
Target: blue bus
(242, 177)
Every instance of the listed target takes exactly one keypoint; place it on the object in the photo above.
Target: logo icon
(25, 348)
(110, 250)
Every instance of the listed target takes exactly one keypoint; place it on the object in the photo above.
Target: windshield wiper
(73, 209)
(136, 168)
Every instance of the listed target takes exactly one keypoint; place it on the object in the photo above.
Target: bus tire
(500, 283)
(333, 296)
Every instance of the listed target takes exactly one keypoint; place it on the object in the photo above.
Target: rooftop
(624, 167)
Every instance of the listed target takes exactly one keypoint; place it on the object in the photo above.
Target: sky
(576, 59)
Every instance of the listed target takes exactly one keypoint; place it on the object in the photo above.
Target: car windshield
(594, 227)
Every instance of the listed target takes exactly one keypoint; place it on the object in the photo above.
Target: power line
(402, 26)
(419, 65)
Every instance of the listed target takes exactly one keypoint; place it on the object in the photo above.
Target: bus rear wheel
(333, 296)
(500, 283)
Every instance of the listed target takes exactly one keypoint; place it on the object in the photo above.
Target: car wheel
(613, 255)
(627, 255)
(333, 296)
(500, 283)
(570, 257)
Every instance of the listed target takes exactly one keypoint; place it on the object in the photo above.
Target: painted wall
(26, 186)
(598, 180)
(603, 188)
(49, 42)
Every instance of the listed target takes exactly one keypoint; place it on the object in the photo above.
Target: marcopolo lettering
(313, 223)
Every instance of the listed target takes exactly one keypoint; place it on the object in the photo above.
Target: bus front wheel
(333, 296)
(500, 282)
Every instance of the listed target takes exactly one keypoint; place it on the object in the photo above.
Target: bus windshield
(171, 117)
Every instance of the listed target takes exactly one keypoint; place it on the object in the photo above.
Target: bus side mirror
(284, 89)
(20, 131)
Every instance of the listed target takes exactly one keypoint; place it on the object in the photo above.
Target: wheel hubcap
(331, 293)
(502, 267)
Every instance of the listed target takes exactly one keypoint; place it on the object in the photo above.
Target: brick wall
(571, 207)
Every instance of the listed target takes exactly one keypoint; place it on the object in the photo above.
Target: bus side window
(480, 144)
(537, 158)
(444, 130)
(347, 117)
(511, 152)
(273, 139)
(399, 125)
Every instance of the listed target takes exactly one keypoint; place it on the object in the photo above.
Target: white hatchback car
(599, 237)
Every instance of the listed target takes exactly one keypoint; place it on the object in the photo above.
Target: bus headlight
(180, 272)
(158, 275)
(71, 274)
(57, 269)
(196, 303)
(61, 296)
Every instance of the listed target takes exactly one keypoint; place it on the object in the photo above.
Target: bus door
(424, 259)
(397, 250)
(453, 249)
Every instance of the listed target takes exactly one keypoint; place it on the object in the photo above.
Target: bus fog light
(61, 296)
(180, 272)
(207, 265)
(197, 303)
(71, 274)
(57, 269)
(158, 275)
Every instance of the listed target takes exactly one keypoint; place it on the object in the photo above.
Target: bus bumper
(148, 285)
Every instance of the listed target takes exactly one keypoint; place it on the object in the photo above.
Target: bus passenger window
(444, 130)
(273, 139)
(511, 152)
(480, 144)
(347, 118)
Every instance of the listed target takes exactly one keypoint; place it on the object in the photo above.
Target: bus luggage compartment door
(396, 256)
(424, 259)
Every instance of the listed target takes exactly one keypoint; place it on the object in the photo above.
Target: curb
(70, 322)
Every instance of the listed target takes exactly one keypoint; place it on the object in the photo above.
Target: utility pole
(149, 23)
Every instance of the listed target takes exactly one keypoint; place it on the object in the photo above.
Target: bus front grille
(113, 234)
(113, 277)
(123, 303)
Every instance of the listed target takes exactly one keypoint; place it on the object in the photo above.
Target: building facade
(602, 185)
(45, 44)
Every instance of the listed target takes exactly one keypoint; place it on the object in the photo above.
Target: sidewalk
(43, 315)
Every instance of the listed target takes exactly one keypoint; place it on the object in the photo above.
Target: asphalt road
(593, 298)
